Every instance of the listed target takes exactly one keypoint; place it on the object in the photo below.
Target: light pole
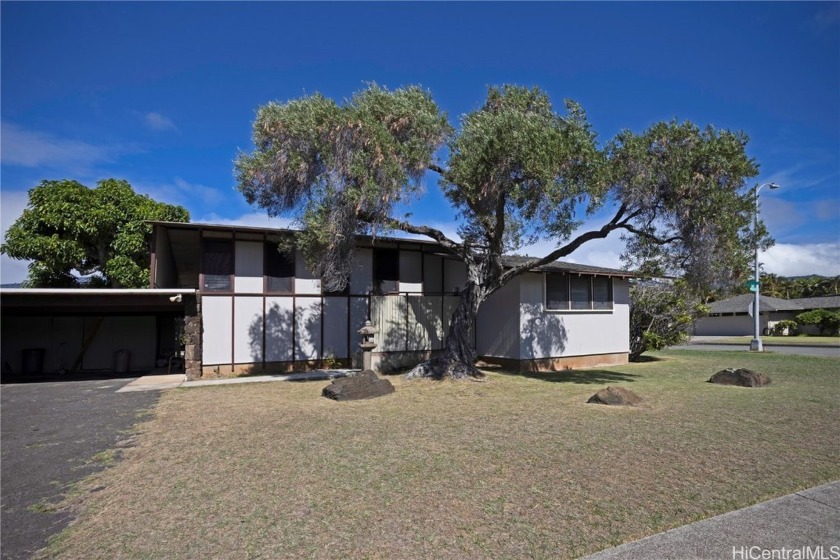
(756, 345)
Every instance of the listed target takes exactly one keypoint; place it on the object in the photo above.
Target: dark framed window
(217, 265)
(279, 270)
(602, 297)
(580, 292)
(556, 291)
(386, 271)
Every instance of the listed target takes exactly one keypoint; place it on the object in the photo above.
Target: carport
(78, 332)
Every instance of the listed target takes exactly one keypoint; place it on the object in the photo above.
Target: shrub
(827, 322)
(786, 327)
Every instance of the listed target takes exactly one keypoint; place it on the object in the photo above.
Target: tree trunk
(458, 358)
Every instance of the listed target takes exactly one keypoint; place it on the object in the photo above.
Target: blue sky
(163, 94)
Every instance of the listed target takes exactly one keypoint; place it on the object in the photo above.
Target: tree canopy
(67, 226)
(516, 171)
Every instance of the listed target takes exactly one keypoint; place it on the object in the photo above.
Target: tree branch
(432, 233)
(437, 169)
(570, 247)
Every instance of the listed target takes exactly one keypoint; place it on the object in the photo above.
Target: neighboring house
(262, 309)
(250, 308)
(731, 317)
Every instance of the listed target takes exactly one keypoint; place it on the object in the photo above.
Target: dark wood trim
(321, 345)
(153, 259)
(263, 331)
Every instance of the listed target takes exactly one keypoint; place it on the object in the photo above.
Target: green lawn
(519, 466)
(784, 340)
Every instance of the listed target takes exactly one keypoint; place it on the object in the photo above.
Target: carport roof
(81, 301)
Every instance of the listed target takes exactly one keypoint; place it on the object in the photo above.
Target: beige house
(262, 310)
(731, 317)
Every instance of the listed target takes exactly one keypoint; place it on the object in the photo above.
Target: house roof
(740, 304)
(559, 266)
(556, 266)
(826, 302)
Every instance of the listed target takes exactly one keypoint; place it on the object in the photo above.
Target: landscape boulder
(363, 385)
(741, 377)
(615, 396)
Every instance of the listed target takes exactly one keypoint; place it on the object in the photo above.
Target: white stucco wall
(217, 317)
(305, 281)
(335, 327)
(278, 328)
(248, 267)
(307, 328)
(411, 271)
(361, 275)
(553, 334)
(247, 330)
(497, 324)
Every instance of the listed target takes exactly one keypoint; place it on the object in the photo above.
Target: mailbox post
(367, 344)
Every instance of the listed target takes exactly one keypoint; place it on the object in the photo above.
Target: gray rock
(615, 396)
(740, 377)
(363, 385)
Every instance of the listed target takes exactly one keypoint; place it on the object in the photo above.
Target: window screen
(279, 269)
(579, 289)
(556, 291)
(386, 270)
(602, 293)
(217, 263)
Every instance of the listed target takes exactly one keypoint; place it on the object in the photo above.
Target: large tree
(516, 172)
(68, 226)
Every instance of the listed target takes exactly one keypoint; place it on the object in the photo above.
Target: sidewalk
(729, 341)
(801, 525)
(159, 382)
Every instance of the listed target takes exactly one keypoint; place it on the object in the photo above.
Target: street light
(755, 344)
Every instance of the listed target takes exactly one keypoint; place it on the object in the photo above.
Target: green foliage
(517, 165)
(785, 328)
(340, 168)
(783, 287)
(685, 187)
(828, 322)
(661, 315)
(68, 226)
(517, 172)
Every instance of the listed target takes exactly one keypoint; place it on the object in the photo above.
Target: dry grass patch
(515, 467)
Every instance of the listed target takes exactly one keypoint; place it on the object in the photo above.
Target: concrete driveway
(50, 434)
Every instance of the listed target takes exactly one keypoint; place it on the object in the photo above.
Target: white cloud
(29, 148)
(158, 121)
(787, 259)
(180, 191)
(598, 252)
(12, 204)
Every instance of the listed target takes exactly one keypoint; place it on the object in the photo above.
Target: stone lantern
(367, 344)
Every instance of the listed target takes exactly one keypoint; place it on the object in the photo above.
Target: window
(279, 270)
(386, 271)
(578, 293)
(217, 264)
(556, 291)
(602, 293)
(581, 292)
